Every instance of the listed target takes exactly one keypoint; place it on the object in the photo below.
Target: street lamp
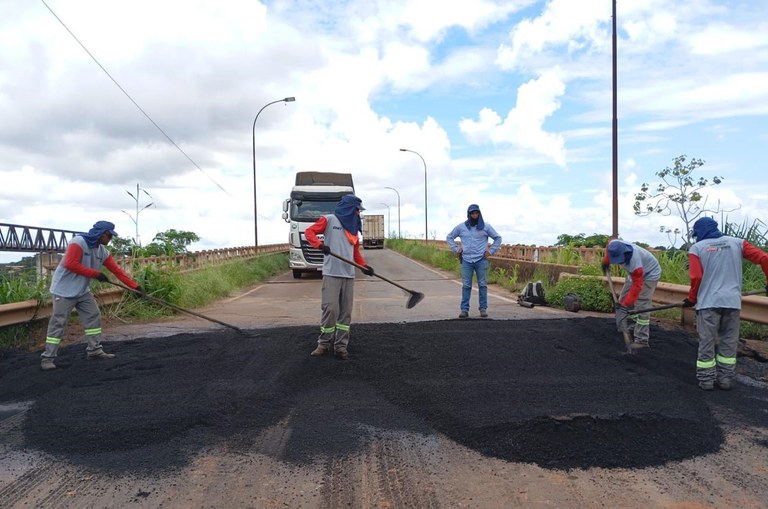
(426, 236)
(389, 226)
(399, 236)
(255, 212)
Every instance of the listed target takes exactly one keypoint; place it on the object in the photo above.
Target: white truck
(314, 194)
(373, 232)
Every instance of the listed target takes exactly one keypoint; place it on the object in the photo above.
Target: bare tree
(678, 192)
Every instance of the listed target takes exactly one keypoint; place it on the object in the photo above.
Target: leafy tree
(679, 191)
(581, 240)
(123, 246)
(170, 242)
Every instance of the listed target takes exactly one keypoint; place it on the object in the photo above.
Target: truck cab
(315, 194)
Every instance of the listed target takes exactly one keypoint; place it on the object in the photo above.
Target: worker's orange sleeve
(115, 269)
(314, 230)
(756, 256)
(634, 290)
(72, 262)
(695, 273)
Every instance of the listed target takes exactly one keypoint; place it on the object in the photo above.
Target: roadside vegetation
(188, 290)
(593, 293)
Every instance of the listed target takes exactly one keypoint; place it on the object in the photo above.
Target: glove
(687, 303)
(620, 307)
(102, 277)
(325, 249)
(367, 270)
(606, 267)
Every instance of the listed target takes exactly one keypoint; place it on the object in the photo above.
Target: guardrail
(754, 308)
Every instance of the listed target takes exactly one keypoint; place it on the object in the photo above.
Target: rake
(415, 297)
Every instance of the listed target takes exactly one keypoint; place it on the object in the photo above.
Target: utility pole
(135, 218)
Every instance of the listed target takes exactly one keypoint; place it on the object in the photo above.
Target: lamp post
(255, 211)
(426, 229)
(399, 236)
(389, 225)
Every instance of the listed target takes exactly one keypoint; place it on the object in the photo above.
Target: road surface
(529, 408)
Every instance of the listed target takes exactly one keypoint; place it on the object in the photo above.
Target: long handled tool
(174, 306)
(680, 304)
(415, 297)
(627, 339)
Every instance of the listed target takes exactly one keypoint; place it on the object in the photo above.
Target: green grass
(184, 289)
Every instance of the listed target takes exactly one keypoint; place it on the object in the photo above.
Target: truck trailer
(373, 232)
(314, 194)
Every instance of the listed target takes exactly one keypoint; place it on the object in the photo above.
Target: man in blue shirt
(474, 253)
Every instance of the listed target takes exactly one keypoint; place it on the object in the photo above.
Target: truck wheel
(296, 274)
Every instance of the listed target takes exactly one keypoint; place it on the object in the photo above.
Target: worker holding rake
(715, 270)
(643, 274)
(340, 237)
(70, 288)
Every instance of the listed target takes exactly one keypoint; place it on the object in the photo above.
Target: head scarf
(469, 222)
(346, 212)
(95, 233)
(619, 252)
(706, 228)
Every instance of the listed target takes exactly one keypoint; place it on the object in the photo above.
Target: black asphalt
(559, 393)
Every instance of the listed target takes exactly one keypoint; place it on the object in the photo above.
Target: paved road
(421, 409)
(288, 301)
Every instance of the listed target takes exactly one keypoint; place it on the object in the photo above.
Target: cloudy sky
(508, 102)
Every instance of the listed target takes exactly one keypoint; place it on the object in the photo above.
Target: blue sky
(508, 102)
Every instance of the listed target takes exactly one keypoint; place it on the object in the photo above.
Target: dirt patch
(557, 393)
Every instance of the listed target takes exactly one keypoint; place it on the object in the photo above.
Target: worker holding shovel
(715, 270)
(70, 287)
(340, 237)
(643, 274)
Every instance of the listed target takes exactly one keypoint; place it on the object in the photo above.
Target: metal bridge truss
(33, 239)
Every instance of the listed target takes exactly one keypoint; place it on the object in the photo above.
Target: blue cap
(617, 252)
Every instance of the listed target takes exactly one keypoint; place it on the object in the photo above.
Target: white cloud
(523, 127)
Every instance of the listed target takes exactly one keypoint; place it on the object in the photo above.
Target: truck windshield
(311, 210)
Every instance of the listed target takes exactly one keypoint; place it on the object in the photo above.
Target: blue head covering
(619, 252)
(95, 233)
(706, 228)
(346, 212)
(480, 222)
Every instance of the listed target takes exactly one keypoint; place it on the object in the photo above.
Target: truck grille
(312, 255)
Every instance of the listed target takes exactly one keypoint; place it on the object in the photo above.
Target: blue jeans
(468, 270)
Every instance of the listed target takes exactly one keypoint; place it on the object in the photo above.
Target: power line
(131, 99)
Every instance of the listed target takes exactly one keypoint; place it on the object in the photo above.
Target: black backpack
(533, 293)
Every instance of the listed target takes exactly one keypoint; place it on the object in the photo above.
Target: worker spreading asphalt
(559, 393)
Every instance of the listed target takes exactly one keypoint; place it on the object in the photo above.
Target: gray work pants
(640, 323)
(337, 298)
(718, 341)
(90, 317)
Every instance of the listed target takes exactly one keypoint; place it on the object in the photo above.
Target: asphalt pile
(558, 393)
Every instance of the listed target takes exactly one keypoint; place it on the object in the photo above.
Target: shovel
(627, 339)
(415, 297)
(174, 306)
(679, 304)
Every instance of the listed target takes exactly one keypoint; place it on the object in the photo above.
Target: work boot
(342, 355)
(706, 386)
(47, 364)
(320, 350)
(464, 314)
(636, 345)
(100, 354)
(483, 313)
(724, 385)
